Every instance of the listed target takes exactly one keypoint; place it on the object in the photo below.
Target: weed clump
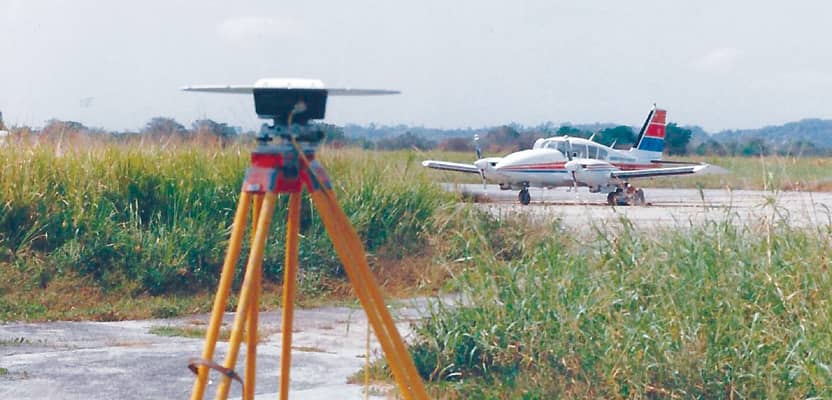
(712, 311)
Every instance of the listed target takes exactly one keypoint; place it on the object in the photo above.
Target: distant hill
(813, 130)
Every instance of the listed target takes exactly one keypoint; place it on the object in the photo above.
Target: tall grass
(719, 310)
(155, 220)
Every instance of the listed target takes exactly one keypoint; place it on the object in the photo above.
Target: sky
(716, 64)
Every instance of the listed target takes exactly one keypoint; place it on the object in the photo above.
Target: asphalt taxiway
(666, 207)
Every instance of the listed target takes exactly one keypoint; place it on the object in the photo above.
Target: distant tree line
(508, 138)
(162, 129)
(679, 141)
(495, 140)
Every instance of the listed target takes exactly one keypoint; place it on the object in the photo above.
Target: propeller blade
(482, 175)
(575, 186)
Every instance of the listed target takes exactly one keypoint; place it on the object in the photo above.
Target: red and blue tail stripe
(652, 138)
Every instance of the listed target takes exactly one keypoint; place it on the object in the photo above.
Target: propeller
(479, 157)
(569, 150)
(573, 167)
(574, 182)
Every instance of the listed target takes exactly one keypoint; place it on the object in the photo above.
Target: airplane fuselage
(551, 162)
(568, 161)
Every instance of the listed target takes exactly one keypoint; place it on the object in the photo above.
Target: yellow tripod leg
(224, 287)
(255, 262)
(290, 273)
(252, 321)
(366, 277)
(351, 252)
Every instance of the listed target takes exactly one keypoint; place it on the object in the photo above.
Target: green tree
(407, 140)
(712, 148)
(461, 144)
(619, 135)
(163, 126)
(755, 147)
(568, 130)
(676, 139)
(210, 127)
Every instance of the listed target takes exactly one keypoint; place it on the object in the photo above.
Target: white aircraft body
(572, 162)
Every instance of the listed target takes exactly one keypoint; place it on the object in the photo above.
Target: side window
(593, 152)
(581, 150)
(602, 154)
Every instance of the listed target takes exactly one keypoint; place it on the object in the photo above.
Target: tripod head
(290, 111)
(290, 104)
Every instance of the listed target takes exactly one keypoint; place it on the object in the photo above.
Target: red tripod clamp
(280, 169)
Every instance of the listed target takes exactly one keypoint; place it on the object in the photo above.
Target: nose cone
(573, 165)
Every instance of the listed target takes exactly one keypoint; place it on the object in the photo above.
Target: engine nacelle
(592, 173)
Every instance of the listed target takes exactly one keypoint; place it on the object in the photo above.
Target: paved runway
(666, 207)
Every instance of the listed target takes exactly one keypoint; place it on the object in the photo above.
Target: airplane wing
(652, 172)
(451, 166)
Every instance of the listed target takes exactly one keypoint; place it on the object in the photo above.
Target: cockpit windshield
(573, 148)
(563, 147)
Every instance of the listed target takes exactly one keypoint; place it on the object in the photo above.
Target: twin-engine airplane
(572, 162)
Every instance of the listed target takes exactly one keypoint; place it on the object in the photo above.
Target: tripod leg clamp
(195, 363)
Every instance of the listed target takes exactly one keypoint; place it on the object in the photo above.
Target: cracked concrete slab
(124, 360)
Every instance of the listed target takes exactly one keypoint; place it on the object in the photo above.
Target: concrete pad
(122, 360)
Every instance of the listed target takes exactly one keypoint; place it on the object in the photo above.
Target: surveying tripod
(289, 167)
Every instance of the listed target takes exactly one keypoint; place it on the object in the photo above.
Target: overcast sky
(718, 64)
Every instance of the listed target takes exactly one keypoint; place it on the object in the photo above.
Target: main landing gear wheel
(639, 198)
(629, 196)
(525, 197)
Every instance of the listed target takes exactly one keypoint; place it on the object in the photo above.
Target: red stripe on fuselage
(621, 166)
(536, 166)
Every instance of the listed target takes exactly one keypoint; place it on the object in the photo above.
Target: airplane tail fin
(651, 138)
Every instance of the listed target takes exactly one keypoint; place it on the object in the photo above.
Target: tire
(525, 197)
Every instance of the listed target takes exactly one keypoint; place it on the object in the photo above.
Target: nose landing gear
(524, 196)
